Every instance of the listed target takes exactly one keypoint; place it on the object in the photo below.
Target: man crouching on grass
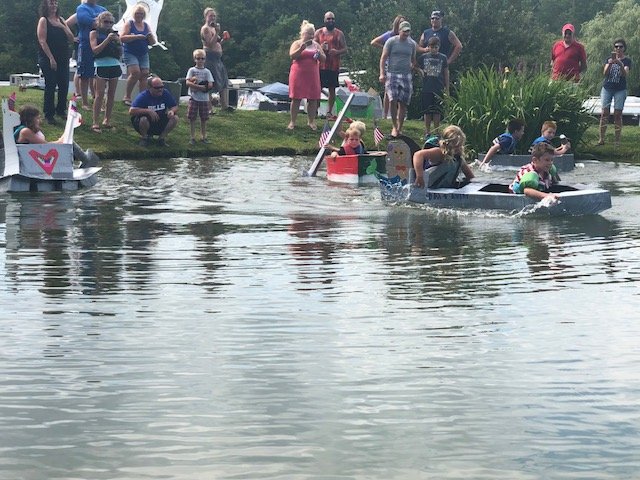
(154, 112)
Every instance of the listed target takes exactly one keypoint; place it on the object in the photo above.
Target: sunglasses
(200, 58)
(160, 87)
(618, 46)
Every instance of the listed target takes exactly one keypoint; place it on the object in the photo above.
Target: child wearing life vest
(536, 178)
(451, 149)
(352, 143)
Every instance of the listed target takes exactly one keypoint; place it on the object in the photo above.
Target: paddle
(316, 163)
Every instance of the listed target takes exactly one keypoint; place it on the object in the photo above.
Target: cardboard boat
(42, 167)
(356, 169)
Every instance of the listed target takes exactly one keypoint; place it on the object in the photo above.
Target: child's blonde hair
(199, 51)
(549, 124)
(452, 142)
(358, 125)
(353, 129)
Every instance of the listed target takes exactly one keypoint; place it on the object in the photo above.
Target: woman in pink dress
(304, 76)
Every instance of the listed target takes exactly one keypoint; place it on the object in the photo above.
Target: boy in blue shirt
(548, 132)
(505, 144)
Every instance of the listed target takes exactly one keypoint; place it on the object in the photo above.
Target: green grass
(264, 133)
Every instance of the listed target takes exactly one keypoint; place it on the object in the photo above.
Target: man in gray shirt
(400, 52)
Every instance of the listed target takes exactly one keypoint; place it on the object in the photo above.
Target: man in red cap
(568, 57)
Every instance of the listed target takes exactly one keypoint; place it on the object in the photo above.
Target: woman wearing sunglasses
(614, 88)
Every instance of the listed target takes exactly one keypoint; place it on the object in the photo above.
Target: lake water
(228, 318)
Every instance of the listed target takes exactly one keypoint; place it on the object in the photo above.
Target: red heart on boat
(47, 161)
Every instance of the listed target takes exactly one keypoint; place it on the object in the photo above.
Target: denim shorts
(142, 61)
(618, 97)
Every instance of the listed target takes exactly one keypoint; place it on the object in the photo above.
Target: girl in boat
(30, 131)
(451, 150)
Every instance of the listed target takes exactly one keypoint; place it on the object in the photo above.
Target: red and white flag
(324, 136)
(378, 136)
(11, 102)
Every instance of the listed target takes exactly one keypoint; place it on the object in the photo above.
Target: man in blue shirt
(154, 112)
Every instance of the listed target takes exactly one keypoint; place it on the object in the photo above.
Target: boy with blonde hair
(200, 82)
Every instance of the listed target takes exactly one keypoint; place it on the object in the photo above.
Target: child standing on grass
(199, 81)
(435, 82)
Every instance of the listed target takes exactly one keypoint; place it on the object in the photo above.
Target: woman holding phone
(304, 75)
(614, 88)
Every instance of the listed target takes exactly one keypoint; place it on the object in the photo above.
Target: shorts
(329, 78)
(155, 128)
(431, 103)
(141, 61)
(107, 73)
(399, 87)
(85, 62)
(618, 97)
(196, 108)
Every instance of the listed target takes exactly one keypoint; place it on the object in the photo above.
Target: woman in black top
(53, 56)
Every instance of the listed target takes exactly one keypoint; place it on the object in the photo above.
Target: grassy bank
(264, 133)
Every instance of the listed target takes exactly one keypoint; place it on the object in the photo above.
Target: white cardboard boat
(42, 167)
(356, 169)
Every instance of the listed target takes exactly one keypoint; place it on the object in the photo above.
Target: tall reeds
(485, 100)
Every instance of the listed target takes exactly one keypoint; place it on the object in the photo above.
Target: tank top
(331, 37)
(443, 35)
(57, 42)
(137, 47)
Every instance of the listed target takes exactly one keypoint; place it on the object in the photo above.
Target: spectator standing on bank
(154, 112)
(212, 39)
(400, 52)
(450, 45)
(136, 38)
(54, 37)
(616, 70)
(334, 46)
(568, 56)
(86, 14)
(199, 81)
(379, 42)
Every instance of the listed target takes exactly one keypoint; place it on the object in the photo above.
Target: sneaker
(192, 141)
(144, 142)
(162, 142)
(51, 121)
(205, 140)
(230, 109)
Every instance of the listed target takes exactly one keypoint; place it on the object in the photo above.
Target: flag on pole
(11, 103)
(324, 136)
(74, 119)
(378, 136)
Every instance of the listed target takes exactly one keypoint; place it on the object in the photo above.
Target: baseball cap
(568, 26)
(405, 27)
(437, 14)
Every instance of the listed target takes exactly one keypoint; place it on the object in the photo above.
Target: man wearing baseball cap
(450, 45)
(568, 57)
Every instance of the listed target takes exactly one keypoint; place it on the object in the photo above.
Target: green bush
(485, 100)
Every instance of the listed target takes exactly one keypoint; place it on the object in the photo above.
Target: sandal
(107, 126)
(96, 129)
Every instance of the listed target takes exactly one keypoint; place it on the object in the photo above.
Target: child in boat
(548, 133)
(30, 131)
(505, 144)
(200, 82)
(451, 149)
(536, 178)
(352, 143)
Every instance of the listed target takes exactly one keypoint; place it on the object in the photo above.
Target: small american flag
(11, 102)
(378, 136)
(324, 136)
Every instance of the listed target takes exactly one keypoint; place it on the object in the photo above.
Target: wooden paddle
(316, 163)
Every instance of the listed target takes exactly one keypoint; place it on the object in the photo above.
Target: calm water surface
(189, 319)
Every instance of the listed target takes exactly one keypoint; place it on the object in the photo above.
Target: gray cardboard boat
(563, 163)
(444, 190)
